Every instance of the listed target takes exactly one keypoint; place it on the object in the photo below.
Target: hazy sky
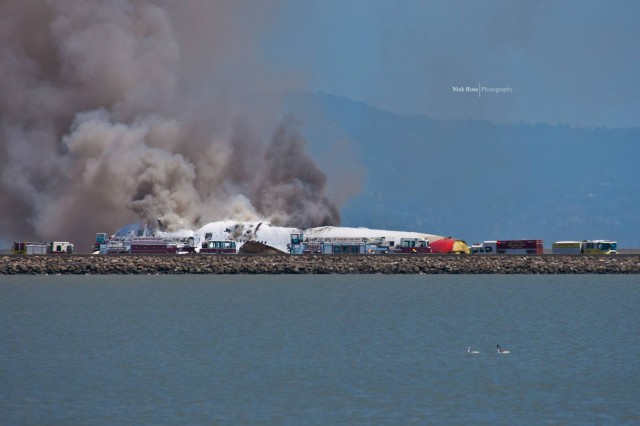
(574, 62)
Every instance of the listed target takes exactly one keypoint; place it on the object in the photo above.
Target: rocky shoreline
(319, 264)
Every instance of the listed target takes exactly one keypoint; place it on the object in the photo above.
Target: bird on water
(469, 351)
(502, 350)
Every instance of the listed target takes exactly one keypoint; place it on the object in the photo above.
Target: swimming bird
(502, 350)
(469, 351)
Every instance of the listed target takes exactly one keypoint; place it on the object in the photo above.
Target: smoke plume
(113, 111)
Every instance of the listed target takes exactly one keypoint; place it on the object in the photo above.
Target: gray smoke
(113, 111)
(292, 183)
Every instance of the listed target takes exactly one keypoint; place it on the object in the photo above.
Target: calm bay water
(319, 350)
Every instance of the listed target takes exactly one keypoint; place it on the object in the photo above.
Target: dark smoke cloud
(291, 181)
(113, 111)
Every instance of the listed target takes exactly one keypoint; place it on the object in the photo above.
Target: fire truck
(140, 245)
(49, 247)
(345, 245)
(508, 247)
(413, 245)
(218, 247)
(585, 246)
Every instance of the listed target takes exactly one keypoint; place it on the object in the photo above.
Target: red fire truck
(508, 247)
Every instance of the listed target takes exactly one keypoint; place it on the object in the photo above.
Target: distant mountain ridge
(475, 179)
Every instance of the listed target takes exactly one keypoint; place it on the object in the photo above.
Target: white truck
(585, 247)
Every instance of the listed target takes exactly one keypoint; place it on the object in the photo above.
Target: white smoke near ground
(113, 111)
